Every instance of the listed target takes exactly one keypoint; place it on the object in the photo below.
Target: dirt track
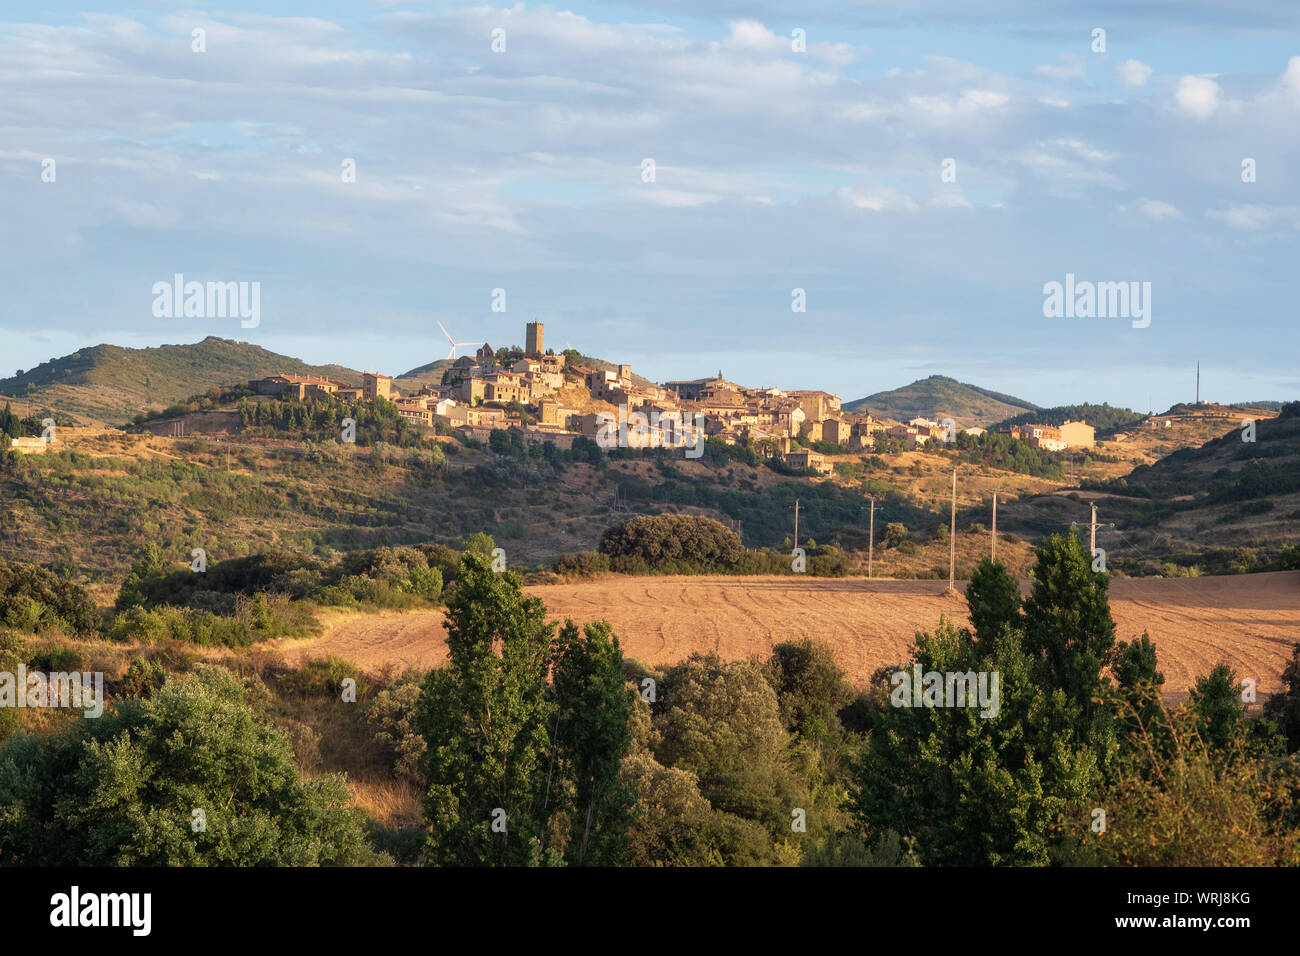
(1250, 621)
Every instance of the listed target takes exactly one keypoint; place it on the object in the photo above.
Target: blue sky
(774, 170)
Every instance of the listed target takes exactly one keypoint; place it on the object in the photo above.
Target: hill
(1227, 505)
(111, 384)
(429, 374)
(939, 396)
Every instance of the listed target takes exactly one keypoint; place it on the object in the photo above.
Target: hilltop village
(544, 396)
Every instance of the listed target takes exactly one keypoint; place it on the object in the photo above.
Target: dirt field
(1250, 621)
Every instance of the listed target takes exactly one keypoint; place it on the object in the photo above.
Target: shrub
(36, 600)
(118, 791)
(583, 564)
(142, 677)
(321, 677)
(391, 716)
(665, 542)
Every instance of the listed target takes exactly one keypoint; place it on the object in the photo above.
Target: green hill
(111, 384)
(941, 397)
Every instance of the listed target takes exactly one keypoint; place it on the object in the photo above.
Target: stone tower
(533, 347)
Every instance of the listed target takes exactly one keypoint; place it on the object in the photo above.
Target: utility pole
(796, 522)
(993, 549)
(871, 536)
(952, 535)
(1092, 531)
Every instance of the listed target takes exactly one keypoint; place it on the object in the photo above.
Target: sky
(656, 180)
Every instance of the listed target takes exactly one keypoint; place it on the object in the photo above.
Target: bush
(36, 600)
(321, 677)
(672, 543)
(391, 716)
(118, 791)
(584, 564)
(56, 660)
(895, 534)
(142, 677)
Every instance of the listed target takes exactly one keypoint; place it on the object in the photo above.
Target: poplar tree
(592, 736)
(484, 717)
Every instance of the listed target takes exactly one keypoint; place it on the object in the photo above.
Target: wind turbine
(454, 344)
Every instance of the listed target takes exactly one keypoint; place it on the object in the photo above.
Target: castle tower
(533, 339)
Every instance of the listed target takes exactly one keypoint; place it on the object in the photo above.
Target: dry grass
(390, 801)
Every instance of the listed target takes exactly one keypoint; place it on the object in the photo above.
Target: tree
(1216, 700)
(993, 597)
(35, 599)
(974, 786)
(810, 688)
(484, 718)
(593, 705)
(722, 722)
(1068, 627)
(1135, 662)
(151, 564)
(895, 534)
(1178, 800)
(1137, 690)
(190, 776)
(1284, 707)
(10, 426)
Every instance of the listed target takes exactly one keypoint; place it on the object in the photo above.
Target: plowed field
(1249, 620)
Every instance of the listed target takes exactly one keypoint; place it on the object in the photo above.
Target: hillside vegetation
(1105, 418)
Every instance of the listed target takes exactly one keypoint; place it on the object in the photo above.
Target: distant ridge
(941, 396)
(110, 384)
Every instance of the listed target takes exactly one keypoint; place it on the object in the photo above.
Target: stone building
(533, 334)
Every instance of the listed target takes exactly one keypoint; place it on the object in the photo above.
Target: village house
(817, 405)
(28, 446)
(537, 435)
(913, 436)
(807, 458)
(703, 389)
(550, 412)
(836, 431)
(1046, 437)
(1078, 435)
(374, 386)
(462, 416)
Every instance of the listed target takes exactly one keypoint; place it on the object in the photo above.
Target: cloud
(1198, 96)
(1133, 73)
(1070, 67)
(478, 170)
(876, 198)
(1158, 209)
(1247, 217)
